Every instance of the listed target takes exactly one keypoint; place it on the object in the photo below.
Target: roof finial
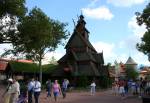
(81, 16)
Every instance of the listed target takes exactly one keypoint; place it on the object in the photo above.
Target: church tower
(81, 58)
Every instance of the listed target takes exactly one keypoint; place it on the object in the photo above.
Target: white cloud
(137, 32)
(136, 29)
(125, 3)
(141, 58)
(110, 53)
(108, 50)
(98, 13)
(129, 43)
(105, 47)
(57, 55)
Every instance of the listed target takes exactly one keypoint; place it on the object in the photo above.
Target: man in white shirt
(37, 90)
(30, 90)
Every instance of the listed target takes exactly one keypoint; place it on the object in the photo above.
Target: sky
(111, 23)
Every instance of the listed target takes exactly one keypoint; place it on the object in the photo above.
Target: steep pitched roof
(86, 56)
(130, 61)
(80, 37)
(88, 70)
(66, 56)
(63, 59)
(99, 57)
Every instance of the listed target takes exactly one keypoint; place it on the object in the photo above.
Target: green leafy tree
(144, 18)
(38, 34)
(11, 12)
(53, 60)
(109, 65)
(131, 73)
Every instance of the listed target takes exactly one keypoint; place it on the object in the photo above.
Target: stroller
(23, 97)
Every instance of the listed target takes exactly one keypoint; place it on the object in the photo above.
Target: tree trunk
(40, 67)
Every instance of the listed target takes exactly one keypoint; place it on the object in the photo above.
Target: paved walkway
(85, 97)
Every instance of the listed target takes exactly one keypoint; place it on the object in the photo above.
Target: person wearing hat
(7, 93)
(15, 91)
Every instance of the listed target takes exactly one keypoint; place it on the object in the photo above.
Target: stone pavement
(85, 97)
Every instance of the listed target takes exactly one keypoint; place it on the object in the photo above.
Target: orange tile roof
(3, 65)
(145, 70)
(25, 61)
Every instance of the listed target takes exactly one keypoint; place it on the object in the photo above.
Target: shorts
(121, 90)
(56, 94)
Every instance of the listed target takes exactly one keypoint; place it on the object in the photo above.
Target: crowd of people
(120, 87)
(134, 87)
(33, 89)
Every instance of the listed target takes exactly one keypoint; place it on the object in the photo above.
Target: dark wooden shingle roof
(79, 38)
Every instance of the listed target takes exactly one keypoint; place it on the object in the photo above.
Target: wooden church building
(81, 58)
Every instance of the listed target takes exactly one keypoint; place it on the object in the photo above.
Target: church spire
(80, 27)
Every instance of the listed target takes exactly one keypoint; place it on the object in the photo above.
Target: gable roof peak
(131, 61)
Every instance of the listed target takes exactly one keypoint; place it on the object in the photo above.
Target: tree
(38, 34)
(11, 11)
(144, 18)
(53, 60)
(131, 73)
(109, 64)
